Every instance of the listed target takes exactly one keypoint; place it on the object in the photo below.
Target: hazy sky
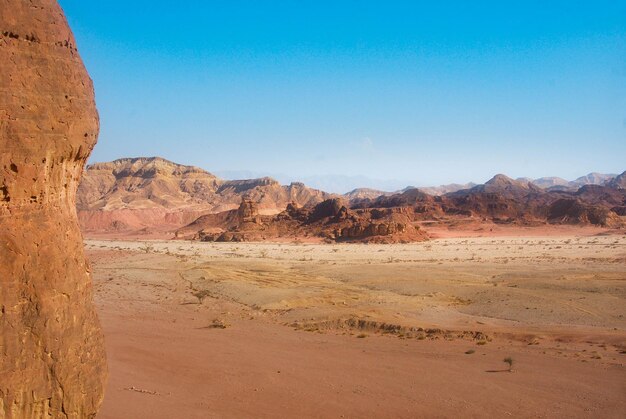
(427, 92)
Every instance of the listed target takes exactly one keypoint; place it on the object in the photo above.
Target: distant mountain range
(148, 193)
(354, 185)
(338, 184)
(153, 182)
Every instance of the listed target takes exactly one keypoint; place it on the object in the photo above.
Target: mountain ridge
(147, 193)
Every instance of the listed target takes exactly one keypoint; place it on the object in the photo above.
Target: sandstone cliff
(52, 361)
(151, 194)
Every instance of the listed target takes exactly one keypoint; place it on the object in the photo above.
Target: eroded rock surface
(149, 195)
(52, 361)
(329, 220)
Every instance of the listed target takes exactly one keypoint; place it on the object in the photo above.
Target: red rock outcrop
(52, 361)
(329, 220)
(503, 200)
(248, 212)
(573, 211)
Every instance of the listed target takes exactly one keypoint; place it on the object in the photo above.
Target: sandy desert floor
(197, 330)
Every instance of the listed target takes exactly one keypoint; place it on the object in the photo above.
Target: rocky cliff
(52, 361)
(150, 194)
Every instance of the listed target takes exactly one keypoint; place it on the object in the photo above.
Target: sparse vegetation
(386, 276)
(217, 324)
(147, 247)
(201, 295)
(508, 360)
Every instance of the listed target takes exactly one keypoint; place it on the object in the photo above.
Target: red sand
(166, 361)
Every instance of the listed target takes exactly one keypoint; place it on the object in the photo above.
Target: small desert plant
(218, 324)
(147, 248)
(201, 295)
(509, 360)
(263, 253)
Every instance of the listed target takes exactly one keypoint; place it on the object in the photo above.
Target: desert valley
(368, 304)
(353, 330)
(146, 288)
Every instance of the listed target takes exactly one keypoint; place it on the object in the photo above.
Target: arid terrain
(156, 198)
(199, 329)
(143, 288)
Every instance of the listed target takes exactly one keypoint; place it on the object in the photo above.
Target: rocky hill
(560, 184)
(141, 183)
(618, 182)
(154, 193)
(548, 182)
(365, 193)
(507, 201)
(444, 189)
(330, 220)
(592, 178)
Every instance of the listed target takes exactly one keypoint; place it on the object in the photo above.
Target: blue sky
(421, 92)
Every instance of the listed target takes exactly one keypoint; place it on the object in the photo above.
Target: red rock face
(52, 361)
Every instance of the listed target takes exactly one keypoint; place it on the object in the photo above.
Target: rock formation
(329, 220)
(503, 200)
(145, 195)
(52, 361)
(145, 183)
(248, 212)
(152, 196)
(399, 217)
(573, 211)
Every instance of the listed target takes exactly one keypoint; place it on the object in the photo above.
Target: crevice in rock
(4, 194)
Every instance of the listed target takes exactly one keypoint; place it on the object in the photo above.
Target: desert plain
(294, 329)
